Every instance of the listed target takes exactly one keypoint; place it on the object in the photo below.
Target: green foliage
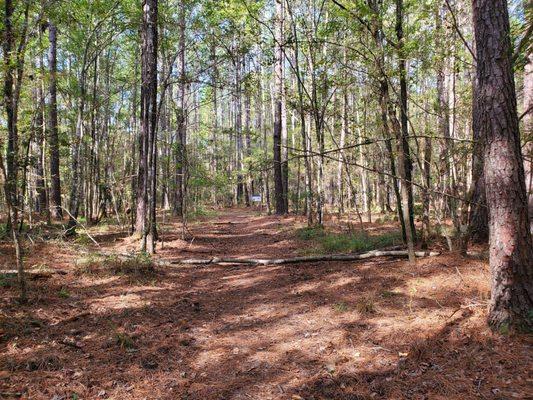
(7, 281)
(139, 265)
(201, 212)
(124, 341)
(386, 294)
(340, 307)
(64, 293)
(327, 242)
(310, 232)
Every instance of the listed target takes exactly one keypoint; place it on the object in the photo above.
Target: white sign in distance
(256, 198)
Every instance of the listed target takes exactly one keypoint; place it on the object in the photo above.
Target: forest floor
(373, 329)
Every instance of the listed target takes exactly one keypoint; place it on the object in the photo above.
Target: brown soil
(378, 329)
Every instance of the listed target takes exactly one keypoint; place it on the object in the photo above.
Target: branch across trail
(296, 260)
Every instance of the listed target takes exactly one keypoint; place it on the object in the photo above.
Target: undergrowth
(328, 242)
(140, 265)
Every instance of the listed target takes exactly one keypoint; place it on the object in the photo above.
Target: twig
(83, 227)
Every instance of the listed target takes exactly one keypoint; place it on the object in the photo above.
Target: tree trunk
(278, 112)
(146, 190)
(13, 64)
(404, 158)
(528, 128)
(511, 249)
(479, 215)
(53, 137)
(181, 151)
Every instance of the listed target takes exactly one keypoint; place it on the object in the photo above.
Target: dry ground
(378, 329)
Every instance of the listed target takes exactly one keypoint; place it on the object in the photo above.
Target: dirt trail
(235, 233)
(378, 329)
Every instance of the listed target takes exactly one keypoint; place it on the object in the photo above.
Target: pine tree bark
(40, 182)
(181, 150)
(14, 68)
(511, 248)
(279, 192)
(479, 216)
(528, 128)
(53, 135)
(404, 157)
(146, 189)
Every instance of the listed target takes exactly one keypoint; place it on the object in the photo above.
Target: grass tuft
(366, 306)
(326, 242)
(139, 265)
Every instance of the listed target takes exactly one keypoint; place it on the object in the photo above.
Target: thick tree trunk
(528, 128)
(511, 249)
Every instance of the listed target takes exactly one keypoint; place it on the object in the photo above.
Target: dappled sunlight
(378, 328)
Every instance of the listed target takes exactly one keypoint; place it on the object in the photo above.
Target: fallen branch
(295, 260)
(35, 273)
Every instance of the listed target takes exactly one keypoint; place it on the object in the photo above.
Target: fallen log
(34, 273)
(295, 260)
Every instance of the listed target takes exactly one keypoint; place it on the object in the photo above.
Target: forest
(266, 199)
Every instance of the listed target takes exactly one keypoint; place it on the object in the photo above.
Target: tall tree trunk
(308, 176)
(75, 185)
(384, 101)
(146, 190)
(528, 126)
(181, 116)
(426, 197)
(511, 249)
(214, 131)
(238, 128)
(479, 214)
(53, 137)
(278, 112)
(344, 132)
(40, 132)
(404, 156)
(14, 68)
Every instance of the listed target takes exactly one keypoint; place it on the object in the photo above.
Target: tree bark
(279, 191)
(53, 136)
(479, 216)
(404, 157)
(14, 68)
(528, 128)
(511, 249)
(146, 189)
(181, 151)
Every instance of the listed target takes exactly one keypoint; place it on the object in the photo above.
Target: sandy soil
(378, 329)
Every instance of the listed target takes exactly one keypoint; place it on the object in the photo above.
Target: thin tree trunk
(53, 137)
(181, 151)
(146, 194)
(278, 113)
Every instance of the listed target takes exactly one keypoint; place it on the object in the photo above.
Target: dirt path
(234, 233)
(379, 329)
